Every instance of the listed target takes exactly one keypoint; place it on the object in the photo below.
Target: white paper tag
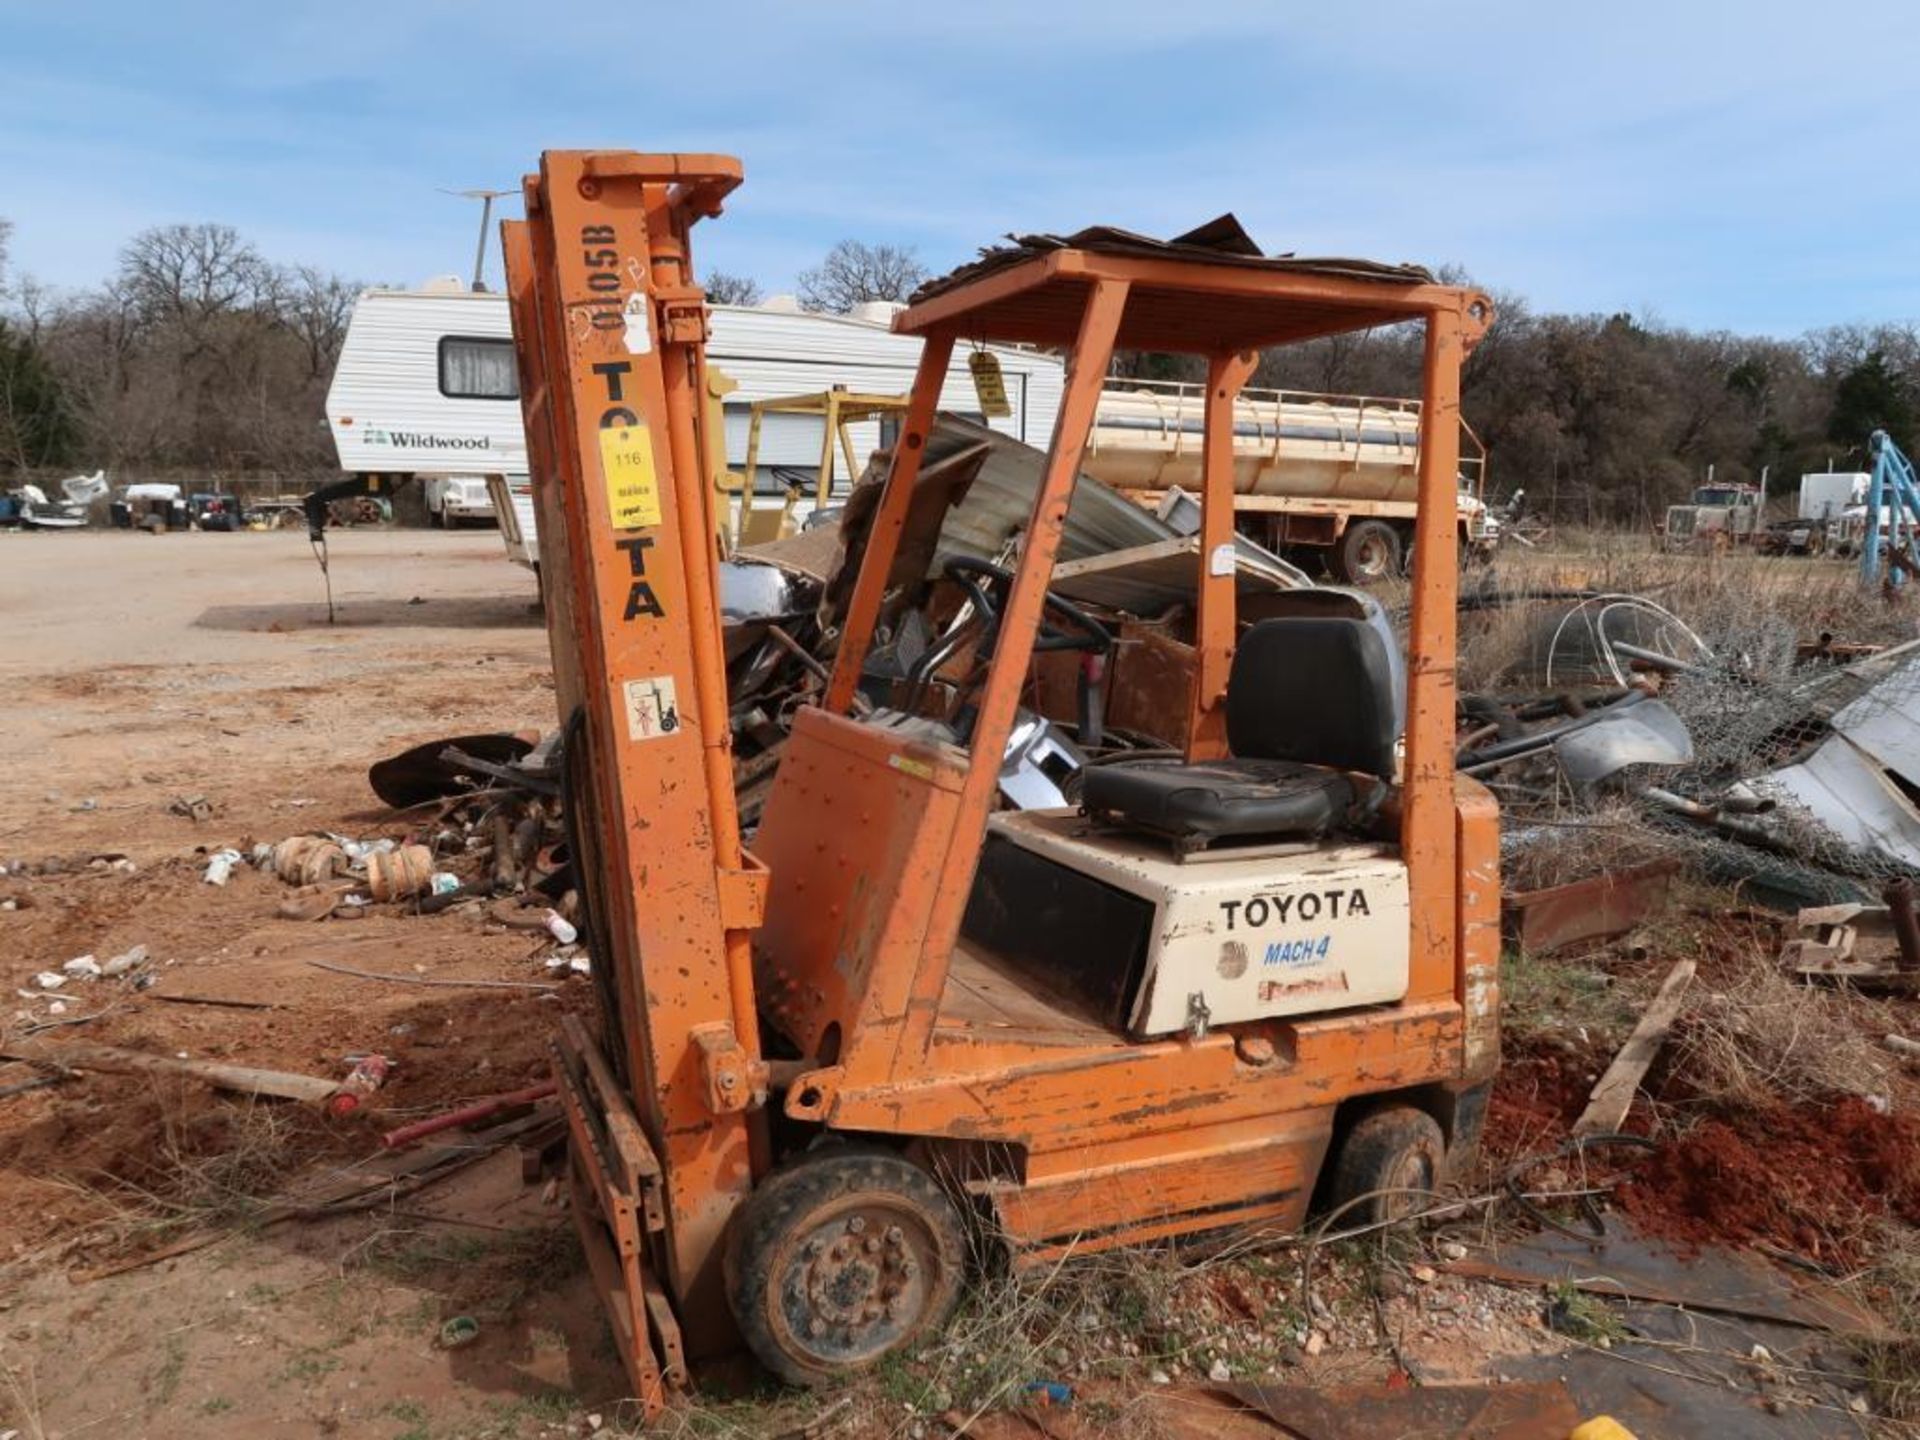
(639, 335)
(652, 709)
(1222, 561)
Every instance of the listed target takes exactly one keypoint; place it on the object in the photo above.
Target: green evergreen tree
(37, 426)
(1873, 395)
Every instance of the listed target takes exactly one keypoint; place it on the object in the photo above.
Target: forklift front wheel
(845, 1254)
(1388, 1159)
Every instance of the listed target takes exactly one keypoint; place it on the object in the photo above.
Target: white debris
(82, 967)
(559, 927)
(1220, 1372)
(49, 979)
(220, 866)
(126, 960)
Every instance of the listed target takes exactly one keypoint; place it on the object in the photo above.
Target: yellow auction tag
(633, 490)
(989, 384)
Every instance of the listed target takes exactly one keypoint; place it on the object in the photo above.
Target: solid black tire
(1393, 1147)
(1347, 561)
(800, 1197)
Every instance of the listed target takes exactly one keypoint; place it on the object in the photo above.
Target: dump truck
(1315, 476)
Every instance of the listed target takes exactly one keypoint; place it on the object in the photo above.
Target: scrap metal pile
(1621, 737)
(489, 825)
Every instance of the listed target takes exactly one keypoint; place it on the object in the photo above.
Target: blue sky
(1754, 167)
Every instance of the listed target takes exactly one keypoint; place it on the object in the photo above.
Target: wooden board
(1611, 1099)
(243, 1078)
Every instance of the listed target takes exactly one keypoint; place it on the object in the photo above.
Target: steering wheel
(988, 586)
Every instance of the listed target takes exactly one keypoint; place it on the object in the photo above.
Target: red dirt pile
(1806, 1178)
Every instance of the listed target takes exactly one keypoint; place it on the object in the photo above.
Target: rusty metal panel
(1597, 908)
(1185, 1179)
(853, 830)
(1432, 1412)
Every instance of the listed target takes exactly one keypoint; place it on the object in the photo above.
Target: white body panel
(512, 497)
(385, 408)
(1244, 933)
(387, 413)
(1826, 496)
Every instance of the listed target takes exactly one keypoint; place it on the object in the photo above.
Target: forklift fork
(615, 1189)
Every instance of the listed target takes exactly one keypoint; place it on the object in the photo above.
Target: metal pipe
(466, 1115)
(1906, 925)
(1654, 658)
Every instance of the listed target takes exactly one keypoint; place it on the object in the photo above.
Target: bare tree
(725, 289)
(6, 237)
(193, 272)
(853, 273)
(315, 305)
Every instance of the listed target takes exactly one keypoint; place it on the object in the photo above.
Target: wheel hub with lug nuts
(857, 1278)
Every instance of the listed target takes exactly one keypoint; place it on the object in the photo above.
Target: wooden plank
(1607, 1106)
(243, 1078)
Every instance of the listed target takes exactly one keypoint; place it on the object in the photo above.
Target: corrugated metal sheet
(1861, 780)
(1099, 519)
(388, 380)
(1221, 240)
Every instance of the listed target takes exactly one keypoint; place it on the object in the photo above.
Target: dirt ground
(139, 671)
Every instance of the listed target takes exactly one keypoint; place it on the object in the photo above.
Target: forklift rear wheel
(1369, 552)
(840, 1257)
(1390, 1157)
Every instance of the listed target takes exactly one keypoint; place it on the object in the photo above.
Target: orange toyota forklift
(1226, 980)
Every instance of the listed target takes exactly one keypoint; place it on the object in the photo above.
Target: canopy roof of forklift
(1203, 292)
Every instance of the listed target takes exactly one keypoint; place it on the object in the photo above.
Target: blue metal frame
(1895, 491)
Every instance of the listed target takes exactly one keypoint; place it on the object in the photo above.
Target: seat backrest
(1317, 690)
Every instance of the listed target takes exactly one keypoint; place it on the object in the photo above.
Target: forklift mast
(610, 332)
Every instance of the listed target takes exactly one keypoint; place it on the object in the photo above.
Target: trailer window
(476, 369)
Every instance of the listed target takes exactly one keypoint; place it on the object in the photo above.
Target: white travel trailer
(426, 386)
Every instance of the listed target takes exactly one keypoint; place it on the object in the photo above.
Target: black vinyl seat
(1310, 703)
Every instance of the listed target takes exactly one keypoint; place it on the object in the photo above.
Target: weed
(310, 1365)
(22, 1400)
(165, 1381)
(1552, 996)
(216, 1405)
(1584, 1317)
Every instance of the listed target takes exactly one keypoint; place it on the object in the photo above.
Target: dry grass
(1771, 1038)
(1893, 1366)
(20, 1398)
(1742, 605)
